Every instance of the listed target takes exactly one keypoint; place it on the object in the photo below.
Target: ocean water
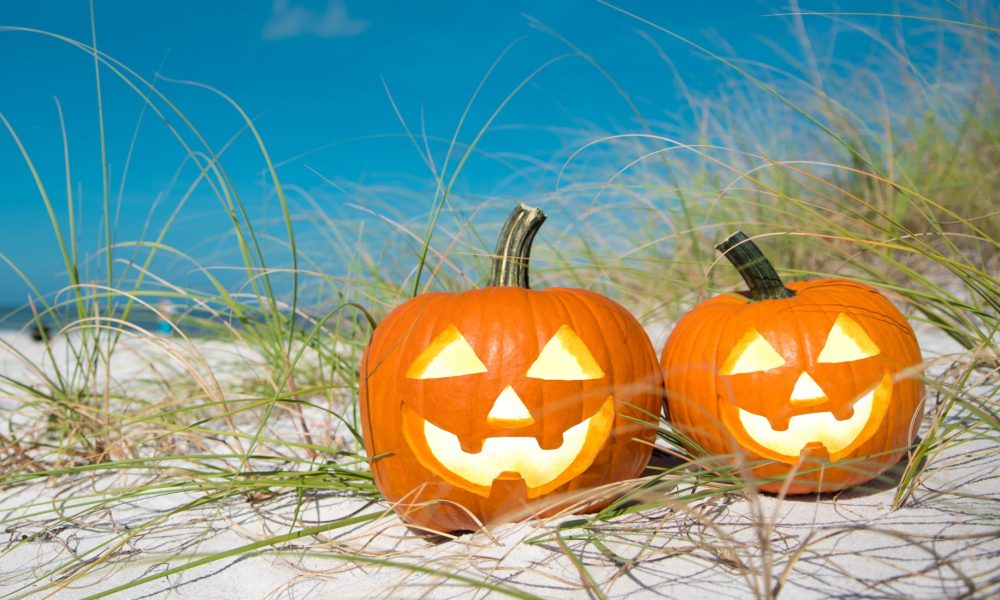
(193, 322)
(22, 319)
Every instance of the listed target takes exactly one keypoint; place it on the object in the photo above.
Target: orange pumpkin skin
(507, 329)
(865, 406)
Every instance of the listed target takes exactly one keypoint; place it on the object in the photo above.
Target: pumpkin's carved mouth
(836, 435)
(501, 457)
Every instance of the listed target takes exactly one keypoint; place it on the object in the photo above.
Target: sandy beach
(944, 542)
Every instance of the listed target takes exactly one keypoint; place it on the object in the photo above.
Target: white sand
(944, 543)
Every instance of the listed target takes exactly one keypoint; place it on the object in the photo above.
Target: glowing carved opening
(509, 411)
(539, 468)
(847, 342)
(822, 427)
(806, 390)
(565, 358)
(751, 354)
(449, 355)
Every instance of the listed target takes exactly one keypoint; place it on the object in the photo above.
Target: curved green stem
(754, 268)
(510, 259)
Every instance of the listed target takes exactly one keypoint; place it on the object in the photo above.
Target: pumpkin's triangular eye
(565, 358)
(847, 342)
(751, 354)
(449, 355)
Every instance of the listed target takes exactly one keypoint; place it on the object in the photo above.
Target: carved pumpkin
(794, 379)
(477, 405)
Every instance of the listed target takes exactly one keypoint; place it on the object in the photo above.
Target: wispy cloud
(288, 20)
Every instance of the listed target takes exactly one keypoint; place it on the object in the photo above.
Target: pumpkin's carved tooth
(471, 446)
(843, 413)
(778, 422)
(551, 440)
(509, 490)
(815, 451)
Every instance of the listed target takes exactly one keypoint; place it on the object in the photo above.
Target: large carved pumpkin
(481, 406)
(796, 379)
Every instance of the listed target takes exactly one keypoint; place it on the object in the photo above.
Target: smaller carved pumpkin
(816, 380)
(477, 406)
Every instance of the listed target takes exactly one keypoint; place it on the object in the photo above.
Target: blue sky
(314, 77)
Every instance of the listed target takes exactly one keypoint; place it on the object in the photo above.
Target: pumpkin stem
(510, 259)
(754, 268)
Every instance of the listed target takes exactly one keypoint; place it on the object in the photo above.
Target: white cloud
(294, 21)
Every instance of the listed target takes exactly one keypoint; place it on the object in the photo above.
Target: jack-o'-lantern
(816, 381)
(480, 406)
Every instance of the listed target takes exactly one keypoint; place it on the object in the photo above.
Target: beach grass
(252, 398)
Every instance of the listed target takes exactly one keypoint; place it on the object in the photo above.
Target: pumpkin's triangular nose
(509, 411)
(806, 389)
